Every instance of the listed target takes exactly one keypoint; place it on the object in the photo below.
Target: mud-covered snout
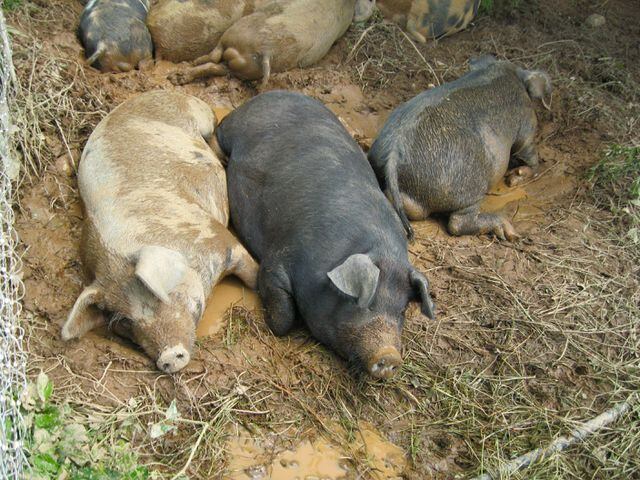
(384, 363)
(173, 359)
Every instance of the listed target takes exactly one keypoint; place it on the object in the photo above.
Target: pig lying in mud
(306, 202)
(278, 36)
(427, 19)
(114, 34)
(154, 241)
(443, 150)
(183, 30)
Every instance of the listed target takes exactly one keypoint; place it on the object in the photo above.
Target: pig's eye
(180, 355)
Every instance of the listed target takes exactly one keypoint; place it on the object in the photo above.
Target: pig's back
(300, 183)
(146, 171)
(456, 137)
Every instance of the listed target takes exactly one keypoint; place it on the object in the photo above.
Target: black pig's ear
(357, 276)
(420, 286)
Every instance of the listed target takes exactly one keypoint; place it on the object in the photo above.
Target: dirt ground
(531, 336)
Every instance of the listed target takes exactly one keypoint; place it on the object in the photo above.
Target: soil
(480, 284)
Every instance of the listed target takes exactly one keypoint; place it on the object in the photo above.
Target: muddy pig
(183, 30)
(306, 203)
(114, 34)
(154, 241)
(278, 36)
(442, 150)
(426, 19)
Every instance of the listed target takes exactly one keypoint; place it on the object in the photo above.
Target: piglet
(154, 241)
(277, 36)
(114, 34)
(444, 149)
(333, 253)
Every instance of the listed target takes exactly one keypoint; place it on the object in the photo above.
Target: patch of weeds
(498, 7)
(60, 445)
(615, 182)
(10, 5)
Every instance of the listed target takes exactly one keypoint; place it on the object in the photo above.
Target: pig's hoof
(179, 78)
(385, 363)
(505, 231)
(518, 176)
(173, 359)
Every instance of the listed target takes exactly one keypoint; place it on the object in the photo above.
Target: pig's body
(278, 36)
(114, 34)
(154, 241)
(444, 149)
(428, 19)
(183, 30)
(306, 203)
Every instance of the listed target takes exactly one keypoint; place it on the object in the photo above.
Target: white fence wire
(12, 356)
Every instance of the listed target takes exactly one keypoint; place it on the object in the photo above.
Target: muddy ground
(530, 337)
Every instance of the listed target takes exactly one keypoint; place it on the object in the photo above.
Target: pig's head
(538, 85)
(155, 298)
(370, 314)
(363, 10)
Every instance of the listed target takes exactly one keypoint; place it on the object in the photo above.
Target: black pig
(442, 150)
(114, 34)
(305, 201)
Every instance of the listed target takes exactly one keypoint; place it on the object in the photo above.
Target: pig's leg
(214, 57)
(390, 169)
(524, 148)
(470, 221)
(243, 266)
(275, 292)
(194, 73)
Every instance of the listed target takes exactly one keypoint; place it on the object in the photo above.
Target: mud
(255, 458)
(291, 385)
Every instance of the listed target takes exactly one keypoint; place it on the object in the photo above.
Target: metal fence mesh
(12, 355)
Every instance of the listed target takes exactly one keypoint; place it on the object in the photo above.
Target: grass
(9, 5)
(615, 183)
(61, 443)
(498, 7)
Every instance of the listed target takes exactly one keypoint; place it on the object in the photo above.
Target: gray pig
(278, 36)
(333, 253)
(114, 34)
(443, 150)
(154, 241)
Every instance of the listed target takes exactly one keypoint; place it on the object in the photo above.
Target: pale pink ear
(85, 314)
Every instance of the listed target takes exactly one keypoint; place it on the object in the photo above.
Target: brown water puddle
(228, 293)
(500, 196)
(251, 458)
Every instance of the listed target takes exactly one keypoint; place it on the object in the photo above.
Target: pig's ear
(85, 314)
(160, 269)
(357, 276)
(420, 286)
(538, 85)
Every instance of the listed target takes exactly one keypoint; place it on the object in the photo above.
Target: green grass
(495, 7)
(10, 5)
(61, 444)
(615, 182)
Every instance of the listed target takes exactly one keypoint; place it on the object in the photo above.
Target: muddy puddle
(230, 292)
(253, 457)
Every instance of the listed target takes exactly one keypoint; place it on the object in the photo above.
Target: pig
(278, 36)
(183, 30)
(444, 149)
(114, 34)
(332, 252)
(154, 240)
(425, 19)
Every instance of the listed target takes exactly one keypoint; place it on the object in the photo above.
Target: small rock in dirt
(63, 165)
(595, 20)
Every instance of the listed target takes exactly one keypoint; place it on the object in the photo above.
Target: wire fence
(12, 356)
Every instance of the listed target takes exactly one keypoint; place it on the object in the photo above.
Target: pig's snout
(173, 359)
(385, 363)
